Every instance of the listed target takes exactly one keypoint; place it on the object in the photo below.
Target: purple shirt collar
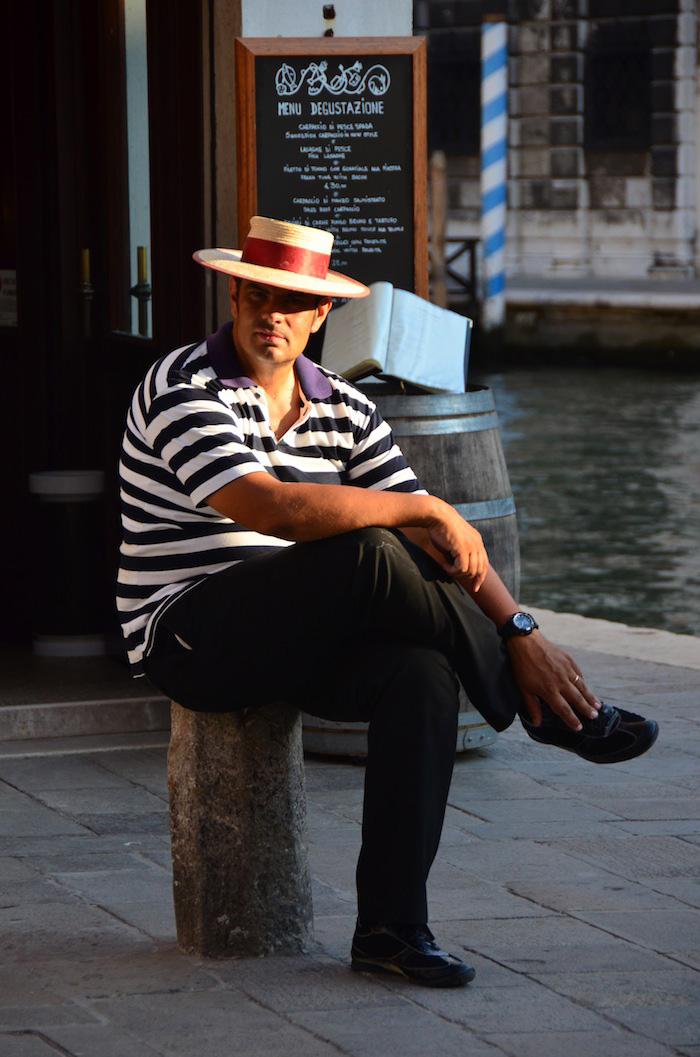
(224, 359)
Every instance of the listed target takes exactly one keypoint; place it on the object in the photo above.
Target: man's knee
(372, 538)
(416, 712)
(423, 682)
(372, 556)
(426, 667)
(431, 676)
(382, 548)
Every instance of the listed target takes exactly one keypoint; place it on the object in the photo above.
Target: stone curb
(66, 719)
(620, 640)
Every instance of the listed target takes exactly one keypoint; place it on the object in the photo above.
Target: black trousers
(363, 626)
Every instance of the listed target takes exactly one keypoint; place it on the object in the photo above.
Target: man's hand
(460, 548)
(541, 669)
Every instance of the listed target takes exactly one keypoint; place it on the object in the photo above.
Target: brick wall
(602, 134)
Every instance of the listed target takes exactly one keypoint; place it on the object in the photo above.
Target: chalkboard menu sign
(331, 133)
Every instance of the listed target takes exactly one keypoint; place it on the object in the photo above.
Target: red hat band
(286, 258)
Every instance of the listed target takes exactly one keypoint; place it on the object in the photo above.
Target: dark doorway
(77, 347)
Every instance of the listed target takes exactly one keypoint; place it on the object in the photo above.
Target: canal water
(605, 470)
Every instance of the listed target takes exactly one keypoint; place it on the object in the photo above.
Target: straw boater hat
(285, 255)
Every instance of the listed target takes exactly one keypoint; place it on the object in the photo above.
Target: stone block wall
(603, 120)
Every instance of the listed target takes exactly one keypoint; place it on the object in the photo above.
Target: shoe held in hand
(613, 736)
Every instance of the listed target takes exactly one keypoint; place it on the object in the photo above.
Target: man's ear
(233, 295)
(322, 310)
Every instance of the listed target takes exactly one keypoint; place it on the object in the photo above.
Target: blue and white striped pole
(494, 127)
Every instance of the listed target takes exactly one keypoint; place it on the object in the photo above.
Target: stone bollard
(241, 881)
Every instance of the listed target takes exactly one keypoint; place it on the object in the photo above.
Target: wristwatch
(518, 624)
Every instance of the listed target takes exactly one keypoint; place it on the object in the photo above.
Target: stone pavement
(572, 888)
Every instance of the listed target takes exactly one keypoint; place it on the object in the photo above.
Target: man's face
(272, 326)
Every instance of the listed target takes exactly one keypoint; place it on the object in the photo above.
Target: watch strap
(519, 623)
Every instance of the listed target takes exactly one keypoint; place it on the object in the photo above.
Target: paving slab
(683, 827)
(555, 943)
(610, 1043)
(301, 985)
(525, 1006)
(542, 810)
(456, 894)
(107, 971)
(573, 889)
(42, 931)
(536, 860)
(13, 869)
(223, 1017)
(155, 918)
(328, 773)
(142, 881)
(684, 890)
(499, 785)
(93, 859)
(27, 1044)
(21, 816)
(76, 718)
(102, 800)
(664, 1005)
(407, 1031)
(451, 832)
(331, 867)
(605, 893)
(47, 854)
(577, 826)
(328, 829)
(669, 931)
(42, 1016)
(619, 786)
(46, 773)
(126, 823)
(92, 1040)
(42, 748)
(29, 891)
(642, 644)
(345, 804)
(140, 767)
(329, 901)
(640, 857)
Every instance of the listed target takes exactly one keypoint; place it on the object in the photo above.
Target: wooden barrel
(453, 444)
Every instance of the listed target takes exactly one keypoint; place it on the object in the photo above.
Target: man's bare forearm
(303, 511)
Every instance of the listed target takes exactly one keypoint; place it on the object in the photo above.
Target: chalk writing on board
(334, 150)
(349, 81)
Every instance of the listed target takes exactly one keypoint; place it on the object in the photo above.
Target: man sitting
(277, 546)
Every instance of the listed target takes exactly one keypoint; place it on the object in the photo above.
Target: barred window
(617, 89)
(454, 76)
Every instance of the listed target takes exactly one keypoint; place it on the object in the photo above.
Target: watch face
(523, 622)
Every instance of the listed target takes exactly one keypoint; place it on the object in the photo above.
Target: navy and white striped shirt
(197, 423)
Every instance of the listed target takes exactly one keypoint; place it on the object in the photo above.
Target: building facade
(603, 190)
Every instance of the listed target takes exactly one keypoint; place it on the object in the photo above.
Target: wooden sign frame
(248, 52)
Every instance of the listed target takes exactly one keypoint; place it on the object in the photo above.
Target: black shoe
(552, 726)
(612, 737)
(410, 951)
